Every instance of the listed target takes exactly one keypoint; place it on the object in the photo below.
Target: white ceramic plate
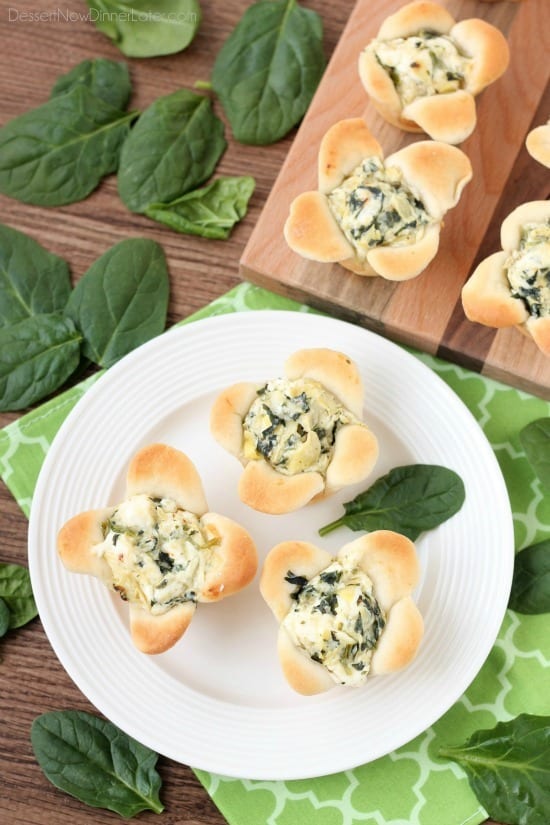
(217, 700)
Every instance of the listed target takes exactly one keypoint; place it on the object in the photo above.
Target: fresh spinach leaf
(106, 79)
(535, 440)
(59, 152)
(36, 356)
(211, 212)
(508, 768)
(32, 280)
(16, 593)
(409, 500)
(268, 70)
(4, 618)
(143, 29)
(93, 760)
(531, 581)
(173, 148)
(122, 300)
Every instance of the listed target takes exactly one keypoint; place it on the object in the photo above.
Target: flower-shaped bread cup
(345, 618)
(300, 437)
(423, 70)
(372, 216)
(160, 549)
(538, 143)
(512, 288)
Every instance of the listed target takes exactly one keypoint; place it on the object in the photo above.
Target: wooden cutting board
(425, 312)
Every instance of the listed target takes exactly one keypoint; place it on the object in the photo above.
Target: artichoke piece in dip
(528, 269)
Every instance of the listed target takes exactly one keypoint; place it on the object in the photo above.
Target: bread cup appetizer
(300, 437)
(376, 216)
(538, 143)
(512, 287)
(423, 70)
(160, 549)
(344, 618)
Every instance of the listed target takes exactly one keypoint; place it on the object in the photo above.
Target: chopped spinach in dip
(158, 553)
(336, 620)
(293, 425)
(374, 207)
(423, 64)
(528, 269)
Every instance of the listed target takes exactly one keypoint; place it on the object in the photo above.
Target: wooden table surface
(32, 54)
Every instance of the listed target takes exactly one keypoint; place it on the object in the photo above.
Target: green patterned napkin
(410, 786)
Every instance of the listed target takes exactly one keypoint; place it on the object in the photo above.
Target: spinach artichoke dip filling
(158, 553)
(293, 425)
(528, 269)
(374, 207)
(423, 64)
(336, 620)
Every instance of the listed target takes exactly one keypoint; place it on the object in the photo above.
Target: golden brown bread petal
(399, 643)
(538, 143)
(312, 231)
(539, 330)
(486, 296)
(236, 559)
(390, 561)
(227, 414)
(160, 471)
(299, 557)
(264, 489)
(156, 634)
(76, 539)
(436, 171)
(346, 144)
(355, 454)
(400, 263)
(450, 118)
(381, 89)
(301, 672)
(487, 46)
(413, 17)
(334, 370)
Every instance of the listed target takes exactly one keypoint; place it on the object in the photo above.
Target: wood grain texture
(426, 311)
(32, 55)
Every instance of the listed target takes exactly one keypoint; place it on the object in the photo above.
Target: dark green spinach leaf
(508, 769)
(531, 581)
(4, 618)
(409, 500)
(172, 149)
(32, 280)
(268, 70)
(106, 79)
(141, 28)
(58, 153)
(211, 212)
(122, 300)
(36, 356)
(535, 440)
(96, 762)
(16, 593)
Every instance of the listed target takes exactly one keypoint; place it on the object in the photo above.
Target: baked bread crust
(538, 143)
(390, 561)
(487, 297)
(435, 172)
(448, 117)
(355, 449)
(160, 471)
